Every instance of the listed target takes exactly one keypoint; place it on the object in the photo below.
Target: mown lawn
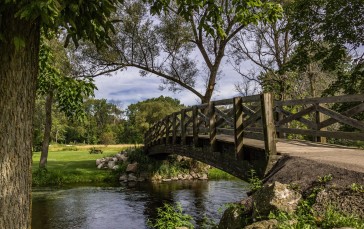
(72, 164)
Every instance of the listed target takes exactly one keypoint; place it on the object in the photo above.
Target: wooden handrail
(315, 117)
(259, 117)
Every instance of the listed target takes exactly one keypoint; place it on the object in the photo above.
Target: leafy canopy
(69, 92)
(242, 12)
(142, 115)
(79, 19)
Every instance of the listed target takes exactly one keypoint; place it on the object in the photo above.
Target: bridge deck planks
(341, 156)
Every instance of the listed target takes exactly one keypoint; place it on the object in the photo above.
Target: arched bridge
(244, 133)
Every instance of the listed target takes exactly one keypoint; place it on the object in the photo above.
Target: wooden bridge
(244, 133)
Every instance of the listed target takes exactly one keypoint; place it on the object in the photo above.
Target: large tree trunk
(18, 74)
(47, 130)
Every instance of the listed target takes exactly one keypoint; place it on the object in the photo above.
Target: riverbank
(72, 164)
(297, 193)
(133, 165)
(300, 193)
(75, 165)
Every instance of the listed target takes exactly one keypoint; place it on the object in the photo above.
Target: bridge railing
(336, 117)
(240, 117)
(259, 117)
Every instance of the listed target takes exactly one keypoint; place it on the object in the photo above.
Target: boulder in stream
(132, 168)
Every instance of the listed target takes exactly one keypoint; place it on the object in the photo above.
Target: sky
(127, 87)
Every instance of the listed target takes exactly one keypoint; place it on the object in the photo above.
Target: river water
(129, 207)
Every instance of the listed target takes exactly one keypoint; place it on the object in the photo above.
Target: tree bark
(18, 75)
(47, 130)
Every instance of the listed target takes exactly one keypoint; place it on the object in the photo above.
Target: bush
(138, 155)
(43, 177)
(255, 183)
(170, 216)
(107, 138)
(306, 217)
(70, 148)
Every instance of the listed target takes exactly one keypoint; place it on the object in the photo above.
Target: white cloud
(129, 87)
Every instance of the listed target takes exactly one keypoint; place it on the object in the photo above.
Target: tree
(142, 115)
(268, 47)
(281, 63)
(166, 43)
(58, 86)
(107, 138)
(334, 32)
(20, 25)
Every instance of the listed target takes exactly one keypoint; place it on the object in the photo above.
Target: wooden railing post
(195, 125)
(238, 127)
(183, 127)
(319, 117)
(268, 124)
(167, 129)
(154, 136)
(278, 117)
(160, 132)
(174, 128)
(164, 130)
(212, 126)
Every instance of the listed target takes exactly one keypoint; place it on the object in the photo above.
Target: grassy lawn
(73, 164)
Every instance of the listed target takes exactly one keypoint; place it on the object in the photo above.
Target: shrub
(107, 138)
(70, 148)
(43, 177)
(170, 216)
(254, 182)
(306, 217)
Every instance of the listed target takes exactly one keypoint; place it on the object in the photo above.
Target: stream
(130, 206)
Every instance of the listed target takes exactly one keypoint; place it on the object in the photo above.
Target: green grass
(74, 166)
(307, 218)
(217, 174)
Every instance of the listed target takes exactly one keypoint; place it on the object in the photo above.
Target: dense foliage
(316, 48)
(104, 122)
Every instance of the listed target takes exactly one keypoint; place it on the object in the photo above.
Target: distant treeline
(104, 122)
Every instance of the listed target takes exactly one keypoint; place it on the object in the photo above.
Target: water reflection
(129, 207)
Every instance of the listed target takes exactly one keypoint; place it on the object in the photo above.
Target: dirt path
(339, 156)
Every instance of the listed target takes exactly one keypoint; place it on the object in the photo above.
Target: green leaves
(145, 113)
(69, 92)
(170, 216)
(70, 96)
(89, 20)
(339, 21)
(214, 21)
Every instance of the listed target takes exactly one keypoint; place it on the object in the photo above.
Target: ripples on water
(129, 207)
